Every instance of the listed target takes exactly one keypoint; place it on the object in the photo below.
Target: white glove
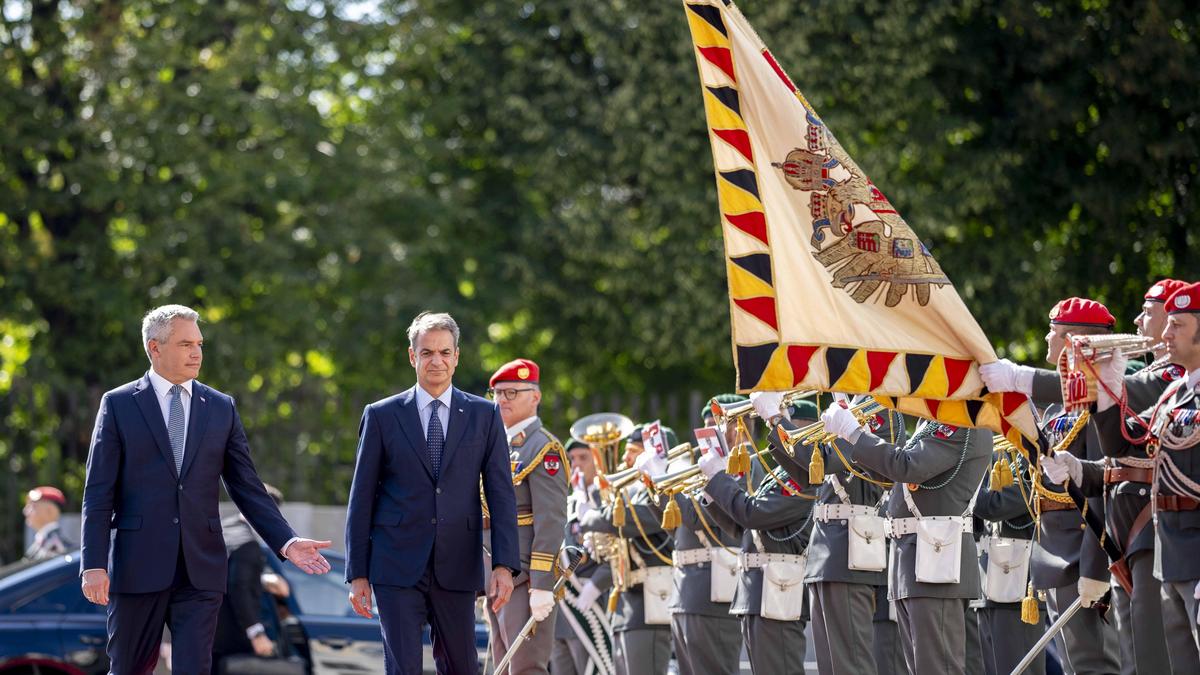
(841, 422)
(1091, 590)
(1004, 375)
(768, 404)
(1063, 465)
(582, 503)
(712, 464)
(1196, 593)
(1112, 375)
(650, 463)
(541, 603)
(587, 595)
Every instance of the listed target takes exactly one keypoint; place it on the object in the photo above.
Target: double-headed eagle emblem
(857, 235)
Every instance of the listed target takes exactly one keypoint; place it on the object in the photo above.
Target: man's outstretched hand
(500, 588)
(306, 555)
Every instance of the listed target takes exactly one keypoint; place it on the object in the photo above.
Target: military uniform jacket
(540, 481)
(1176, 422)
(599, 573)
(1005, 511)
(828, 550)
(630, 614)
(781, 519)
(1065, 550)
(47, 543)
(693, 582)
(949, 463)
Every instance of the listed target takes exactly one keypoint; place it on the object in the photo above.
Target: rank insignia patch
(552, 463)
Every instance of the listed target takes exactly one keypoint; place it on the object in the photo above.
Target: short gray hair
(427, 321)
(156, 325)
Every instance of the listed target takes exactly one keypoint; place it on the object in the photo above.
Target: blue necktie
(435, 438)
(176, 428)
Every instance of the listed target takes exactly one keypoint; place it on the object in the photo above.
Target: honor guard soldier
(541, 482)
(841, 578)
(582, 635)
(1168, 432)
(1004, 562)
(43, 508)
(706, 638)
(641, 621)
(774, 521)
(936, 473)
(1067, 561)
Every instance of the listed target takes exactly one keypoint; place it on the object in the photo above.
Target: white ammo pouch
(783, 582)
(656, 591)
(939, 542)
(723, 575)
(866, 539)
(1007, 569)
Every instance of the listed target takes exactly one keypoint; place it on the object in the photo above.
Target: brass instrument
(724, 413)
(603, 433)
(626, 477)
(815, 433)
(1100, 348)
(665, 483)
(1076, 364)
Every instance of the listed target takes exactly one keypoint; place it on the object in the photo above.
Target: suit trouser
(403, 613)
(534, 655)
(642, 651)
(706, 645)
(1179, 624)
(774, 647)
(1091, 644)
(1004, 639)
(135, 627)
(1140, 619)
(842, 627)
(933, 634)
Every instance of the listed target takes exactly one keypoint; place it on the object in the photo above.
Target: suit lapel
(147, 401)
(410, 422)
(197, 421)
(457, 426)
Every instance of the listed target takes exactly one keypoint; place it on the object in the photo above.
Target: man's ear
(412, 357)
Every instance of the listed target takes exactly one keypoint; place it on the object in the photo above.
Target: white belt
(750, 561)
(828, 512)
(691, 556)
(898, 527)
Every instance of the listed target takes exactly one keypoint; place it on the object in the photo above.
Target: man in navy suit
(152, 546)
(414, 530)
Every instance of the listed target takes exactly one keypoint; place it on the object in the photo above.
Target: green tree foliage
(310, 174)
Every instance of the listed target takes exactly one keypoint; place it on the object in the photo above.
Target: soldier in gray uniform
(842, 600)
(639, 645)
(1168, 431)
(541, 481)
(582, 634)
(706, 638)
(937, 473)
(774, 522)
(43, 508)
(1004, 638)
(1067, 560)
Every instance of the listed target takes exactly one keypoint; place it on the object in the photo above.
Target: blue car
(47, 627)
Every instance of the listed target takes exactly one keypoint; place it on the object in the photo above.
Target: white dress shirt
(517, 428)
(162, 391)
(424, 398)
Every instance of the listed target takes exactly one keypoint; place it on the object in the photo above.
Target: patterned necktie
(175, 425)
(435, 438)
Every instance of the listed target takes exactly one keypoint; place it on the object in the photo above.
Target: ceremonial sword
(1045, 639)
(575, 557)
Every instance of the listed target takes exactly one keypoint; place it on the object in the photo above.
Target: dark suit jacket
(399, 517)
(137, 511)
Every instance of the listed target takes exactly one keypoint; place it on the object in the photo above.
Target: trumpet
(724, 413)
(670, 483)
(1100, 348)
(815, 433)
(625, 477)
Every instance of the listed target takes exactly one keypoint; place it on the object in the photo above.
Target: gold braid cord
(704, 523)
(537, 459)
(1042, 490)
(646, 538)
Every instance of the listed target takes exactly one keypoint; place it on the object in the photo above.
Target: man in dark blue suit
(414, 530)
(152, 546)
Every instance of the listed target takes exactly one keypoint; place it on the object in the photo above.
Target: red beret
(49, 494)
(1186, 299)
(1081, 312)
(1164, 289)
(518, 370)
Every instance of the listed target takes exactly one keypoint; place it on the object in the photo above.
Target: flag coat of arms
(829, 287)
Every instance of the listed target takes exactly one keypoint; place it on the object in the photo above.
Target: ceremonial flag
(829, 288)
